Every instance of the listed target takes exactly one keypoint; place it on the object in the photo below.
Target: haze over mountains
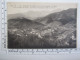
(29, 15)
(32, 14)
(55, 30)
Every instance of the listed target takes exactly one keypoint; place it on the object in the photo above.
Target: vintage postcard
(41, 25)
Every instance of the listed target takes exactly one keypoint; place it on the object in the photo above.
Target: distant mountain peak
(64, 16)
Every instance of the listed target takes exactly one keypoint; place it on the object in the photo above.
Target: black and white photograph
(36, 25)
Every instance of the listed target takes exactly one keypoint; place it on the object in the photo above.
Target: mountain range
(55, 30)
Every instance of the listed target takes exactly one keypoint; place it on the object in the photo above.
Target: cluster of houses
(25, 32)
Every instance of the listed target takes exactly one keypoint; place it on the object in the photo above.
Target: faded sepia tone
(41, 25)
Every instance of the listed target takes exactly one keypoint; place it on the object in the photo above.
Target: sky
(36, 9)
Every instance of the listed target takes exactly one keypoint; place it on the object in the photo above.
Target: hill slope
(56, 30)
